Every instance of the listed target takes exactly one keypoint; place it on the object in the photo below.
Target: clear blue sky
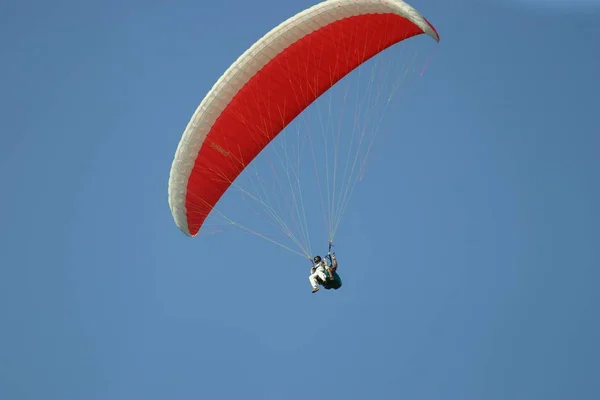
(470, 258)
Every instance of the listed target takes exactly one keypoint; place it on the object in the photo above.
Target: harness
(321, 264)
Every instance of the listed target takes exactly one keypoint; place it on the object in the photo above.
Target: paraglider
(266, 88)
(324, 273)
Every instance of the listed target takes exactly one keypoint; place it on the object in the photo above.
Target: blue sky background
(470, 257)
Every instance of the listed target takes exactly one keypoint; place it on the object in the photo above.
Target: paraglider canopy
(272, 83)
